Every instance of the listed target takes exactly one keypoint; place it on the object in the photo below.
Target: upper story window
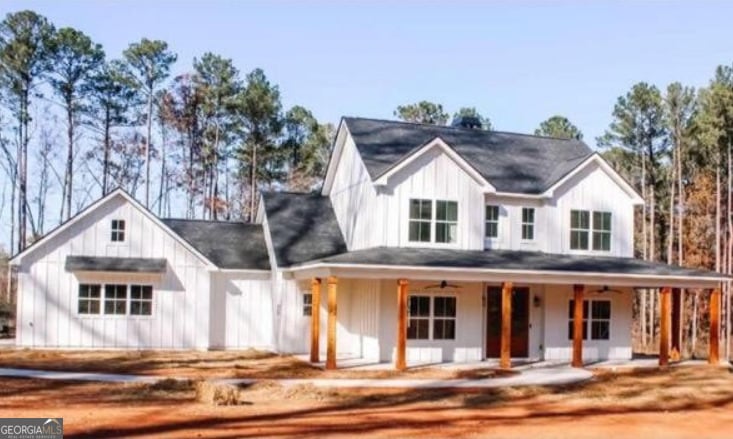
(528, 223)
(446, 221)
(426, 216)
(118, 230)
(492, 221)
(580, 230)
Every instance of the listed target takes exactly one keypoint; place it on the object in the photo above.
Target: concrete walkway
(550, 376)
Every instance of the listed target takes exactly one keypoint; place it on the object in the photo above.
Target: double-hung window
(528, 223)
(446, 221)
(421, 216)
(89, 298)
(596, 319)
(118, 230)
(433, 221)
(115, 299)
(141, 300)
(492, 221)
(585, 235)
(307, 304)
(431, 317)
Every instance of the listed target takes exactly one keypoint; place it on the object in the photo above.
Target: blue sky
(517, 62)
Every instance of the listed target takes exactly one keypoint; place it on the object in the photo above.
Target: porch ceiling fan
(442, 285)
(605, 289)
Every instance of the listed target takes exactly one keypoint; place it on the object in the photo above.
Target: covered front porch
(370, 315)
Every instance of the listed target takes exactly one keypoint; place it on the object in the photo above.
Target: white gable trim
(338, 147)
(615, 176)
(439, 143)
(15, 260)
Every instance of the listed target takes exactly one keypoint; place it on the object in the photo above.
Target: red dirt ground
(686, 402)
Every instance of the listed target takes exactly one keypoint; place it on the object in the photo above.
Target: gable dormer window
(528, 223)
(433, 221)
(118, 230)
(581, 229)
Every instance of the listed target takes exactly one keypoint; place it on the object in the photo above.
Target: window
(579, 226)
(431, 318)
(602, 231)
(89, 298)
(118, 230)
(599, 320)
(141, 300)
(115, 299)
(418, 325)
(446, 221)
(444, 318)
(580, 229)
(421, 215)
(492, 221)
(528, 223)
(307, 304)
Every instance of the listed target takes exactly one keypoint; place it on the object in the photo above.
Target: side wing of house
(87, 286)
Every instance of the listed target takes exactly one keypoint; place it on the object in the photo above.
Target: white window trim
(431, 318)
(102, 301)
(125, 231)
(589, 250)
(433, 223)
(497, 238)
(589, 321)
(533, 224)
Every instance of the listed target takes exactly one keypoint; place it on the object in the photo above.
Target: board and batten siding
(48, 294)
(557, 345)
(241, 311)
(371, 216)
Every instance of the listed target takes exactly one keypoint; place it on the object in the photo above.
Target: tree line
(73, 118)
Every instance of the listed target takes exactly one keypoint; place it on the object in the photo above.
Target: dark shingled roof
(516, 163)
(302, 226)
(126, 265)
(512, 260)
(228, 245)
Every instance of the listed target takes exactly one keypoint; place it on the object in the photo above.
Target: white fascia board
(437, 142)
(338, 146)
(615, 176)
(503, 275)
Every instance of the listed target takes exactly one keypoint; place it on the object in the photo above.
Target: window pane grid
(307, 304)
(118, 231)
(440, 318)
(579, 229)
(89, 299)
(528, 223)
(492, 221)
(446, 221)
(596, 318)
(141, 300)
(421, 216)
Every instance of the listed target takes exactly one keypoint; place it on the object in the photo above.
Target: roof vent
(472, 122)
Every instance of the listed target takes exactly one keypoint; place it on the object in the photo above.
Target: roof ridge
(199, 220)
(404, 122)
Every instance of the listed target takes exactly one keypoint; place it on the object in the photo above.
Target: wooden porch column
(315, 318)
(331, 338)
(677, 321)
(714, 356)
(664, 325)
(401, 355)
(506, 326)
(578, 325)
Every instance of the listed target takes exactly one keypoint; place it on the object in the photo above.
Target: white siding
(49, 294)
(241, 311)
(369, 217)
(557, 345)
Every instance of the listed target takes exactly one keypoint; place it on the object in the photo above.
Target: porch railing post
(401, 354)
(332, 316)
(315, 319)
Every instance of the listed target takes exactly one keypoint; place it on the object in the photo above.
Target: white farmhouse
(426, 244)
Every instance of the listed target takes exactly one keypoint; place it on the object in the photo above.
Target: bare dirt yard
(681, 402)
(211, 364)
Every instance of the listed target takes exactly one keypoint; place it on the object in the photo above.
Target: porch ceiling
(505, 265)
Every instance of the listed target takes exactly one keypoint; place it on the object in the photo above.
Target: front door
(520, 322)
